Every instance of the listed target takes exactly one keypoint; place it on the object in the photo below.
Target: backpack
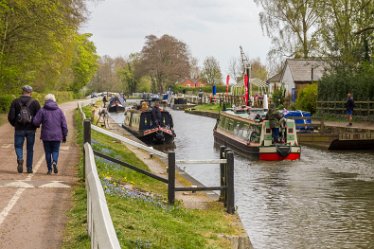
(24, 117)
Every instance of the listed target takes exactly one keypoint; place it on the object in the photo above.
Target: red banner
(227, 84)
(246, 88)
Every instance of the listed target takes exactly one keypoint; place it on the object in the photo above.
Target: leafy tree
(165, 60)
(291, 26)
(211, 71)
(84, 63)
(307, 98)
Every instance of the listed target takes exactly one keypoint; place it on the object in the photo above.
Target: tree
(258, 70)
(291, 24)
(165, 60)
(307, 98)
(211, 72)
(235, 69)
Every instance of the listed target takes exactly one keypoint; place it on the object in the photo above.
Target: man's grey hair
(50, 96)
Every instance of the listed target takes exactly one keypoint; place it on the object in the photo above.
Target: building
(192, 84)
(298, 73)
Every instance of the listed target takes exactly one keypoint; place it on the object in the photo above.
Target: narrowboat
(116, 105)
(141, 124)
(248, 132)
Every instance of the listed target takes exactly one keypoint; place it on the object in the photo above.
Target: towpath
(33, 206)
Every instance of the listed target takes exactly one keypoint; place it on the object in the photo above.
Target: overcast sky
(208, 27)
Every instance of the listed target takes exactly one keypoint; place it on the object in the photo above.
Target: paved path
(33, 206)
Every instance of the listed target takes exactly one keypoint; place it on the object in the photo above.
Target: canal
(324, 200)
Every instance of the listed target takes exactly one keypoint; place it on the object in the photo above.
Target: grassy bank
(209, 108)
(141, 216)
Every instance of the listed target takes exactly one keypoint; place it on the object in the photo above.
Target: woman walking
(53, 131)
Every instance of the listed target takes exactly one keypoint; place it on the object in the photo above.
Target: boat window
(244, 133)
(237, 129)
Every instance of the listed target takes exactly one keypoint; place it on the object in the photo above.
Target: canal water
(324, 200)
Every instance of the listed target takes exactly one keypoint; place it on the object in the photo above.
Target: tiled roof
(275, 78)
(301, 69)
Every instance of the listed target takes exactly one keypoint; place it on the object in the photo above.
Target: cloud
(209, 27)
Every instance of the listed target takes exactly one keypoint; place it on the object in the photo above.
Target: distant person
(54, 130)
(156, 114)
(349, 105)
(105, 100)
(21, 112)
(273, 117)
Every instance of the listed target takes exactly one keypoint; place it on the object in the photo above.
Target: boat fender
(283, 151)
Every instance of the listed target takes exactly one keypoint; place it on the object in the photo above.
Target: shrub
(307, 98)
(5, 101)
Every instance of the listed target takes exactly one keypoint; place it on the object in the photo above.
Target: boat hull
(267, 153)
(157, 135)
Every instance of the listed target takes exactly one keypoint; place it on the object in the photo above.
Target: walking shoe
(29, 171)
(20, 166)
(55, 169)
(49, 172)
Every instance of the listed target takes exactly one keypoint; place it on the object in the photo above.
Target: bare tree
(165, 60)
(211, 71)
(235, 69)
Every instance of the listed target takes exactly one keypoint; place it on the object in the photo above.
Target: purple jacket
(53, 122)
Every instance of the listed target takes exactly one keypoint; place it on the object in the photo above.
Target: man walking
(350, 104)
(20, 115)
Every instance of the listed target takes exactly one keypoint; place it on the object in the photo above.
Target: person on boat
(144, 106)
(105, 100)
(273, 117)
(156, 114)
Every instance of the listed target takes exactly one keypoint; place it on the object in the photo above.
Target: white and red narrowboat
(248, 132)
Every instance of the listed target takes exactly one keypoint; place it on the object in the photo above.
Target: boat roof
(247, 113)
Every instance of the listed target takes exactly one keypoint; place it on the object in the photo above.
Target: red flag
(246, 88)
(227, 84)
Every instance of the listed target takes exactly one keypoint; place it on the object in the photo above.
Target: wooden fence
(362, 108)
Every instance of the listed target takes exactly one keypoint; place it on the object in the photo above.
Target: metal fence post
(222, 172)
(171, 177)
(230, 183)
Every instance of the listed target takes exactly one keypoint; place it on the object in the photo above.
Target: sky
(209, 27)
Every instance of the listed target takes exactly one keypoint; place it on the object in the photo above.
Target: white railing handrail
(206, 161)
(100, 225)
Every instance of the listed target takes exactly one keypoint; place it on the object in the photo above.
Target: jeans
(52, 150)
(275, 132)
(19, 138)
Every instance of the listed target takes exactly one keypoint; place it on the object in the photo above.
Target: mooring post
(230, 183)
(222, 172)
(225, 177)
(171, 177)
(86, 139)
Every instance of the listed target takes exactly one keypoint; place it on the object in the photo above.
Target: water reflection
(324, 200)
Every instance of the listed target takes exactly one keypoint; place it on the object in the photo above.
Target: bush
(335, 86)
(5, 101)
(307, 98)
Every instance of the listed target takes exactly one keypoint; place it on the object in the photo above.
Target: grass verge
(209, 107)
(141, 216)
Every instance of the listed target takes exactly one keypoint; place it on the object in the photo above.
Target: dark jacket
(52, 119)
(15, 109)
(350, 104)
(156, 115)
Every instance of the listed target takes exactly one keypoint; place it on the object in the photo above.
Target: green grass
(139, 221)
(209, 107)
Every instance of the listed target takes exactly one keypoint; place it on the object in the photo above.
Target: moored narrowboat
(249, 133)
(141, 124)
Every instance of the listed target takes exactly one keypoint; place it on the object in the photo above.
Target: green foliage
(279, 97)
(335, 86)
(307, 98)
(5, 101)
(85, 61)
(206, 89)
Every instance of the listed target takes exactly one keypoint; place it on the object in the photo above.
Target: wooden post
(87, 131)
(86, 139)
(222, 173)
(171, 177)
(230, 183)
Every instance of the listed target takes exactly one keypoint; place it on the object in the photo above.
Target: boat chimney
(265, 102)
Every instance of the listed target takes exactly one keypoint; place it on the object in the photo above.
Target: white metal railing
(100, 226)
